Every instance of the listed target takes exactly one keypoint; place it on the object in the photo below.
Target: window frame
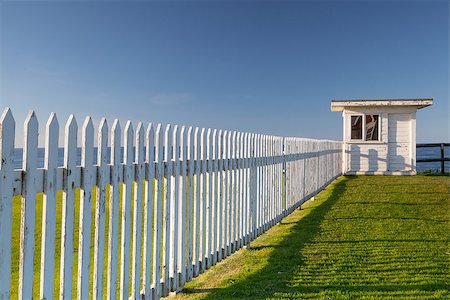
(363, 137)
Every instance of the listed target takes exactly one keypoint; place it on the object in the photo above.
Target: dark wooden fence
(441, 159)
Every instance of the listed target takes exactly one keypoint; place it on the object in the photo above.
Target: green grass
(366, 237)
(16, 215)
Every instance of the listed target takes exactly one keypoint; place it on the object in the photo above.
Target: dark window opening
(356, 126)
(371, 127)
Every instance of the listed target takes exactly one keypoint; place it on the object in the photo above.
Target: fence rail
(187, 197)
(442, 159)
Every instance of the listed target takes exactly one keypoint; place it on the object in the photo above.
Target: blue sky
(261, 66)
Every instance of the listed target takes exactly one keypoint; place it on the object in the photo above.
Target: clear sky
(261, 66)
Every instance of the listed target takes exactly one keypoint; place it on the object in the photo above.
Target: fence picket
(28, 216)
(87, 148)
(158, 212)
(182, 201)
(173, 251)
(7, 134)
(166, 210)
(100, 210)
(196, 204)
(49, 209)
(137, 213)
(126, 211)
(190, 216)
(148, 211)
(113, 231)
(68, 199)
(208, 197)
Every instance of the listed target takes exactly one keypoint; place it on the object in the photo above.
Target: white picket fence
(189, 197)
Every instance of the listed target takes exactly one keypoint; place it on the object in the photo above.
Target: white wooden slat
(252, 189)
(113, 233)
(245, 212)
(84, 240)
(257, 185)
(233, 192)
(243, 184)
(226, 194)
(173, 250)
(190, 207)
(213, 184)
(7, 132)
(182, 201)
(49, 209)
(203, 200)
(148, 211)
(247, 215)
(238, 218)
(266, 186)
(126, 212)
(166, 211)
(196, 204)
(67, 219)
(137, 213)
(208, 198)
(261, 185)
(271, 181)
(28, 215)
(220, 200)
(241, 190)
(158, 213)
(100, 210)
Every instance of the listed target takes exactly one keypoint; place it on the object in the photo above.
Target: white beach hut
(379, 135)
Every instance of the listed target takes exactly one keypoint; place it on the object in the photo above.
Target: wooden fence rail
(187, 198)
(442, 159)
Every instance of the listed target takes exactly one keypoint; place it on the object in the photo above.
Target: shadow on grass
(279, 277)
(284, 259)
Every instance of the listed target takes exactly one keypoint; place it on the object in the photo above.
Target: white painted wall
(393, 153)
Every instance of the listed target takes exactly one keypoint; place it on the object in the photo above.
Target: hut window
(372, 127)
(356, 133)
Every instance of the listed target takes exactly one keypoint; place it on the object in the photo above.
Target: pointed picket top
(167, 143)
(7, 128)
(7, 118)
(150, 143)
(214, 144)
(175, 138)
(70, 141)
(224, 144)
(190, 153)
(102, 143)
(183, 143)
(128, 143)
(87, 142)
(52, 136)
(31, 126)
(196, 143)
(31, 120)
(208, 143)
(115, 143)
(158, 143)
(202, 144)
(139, 143)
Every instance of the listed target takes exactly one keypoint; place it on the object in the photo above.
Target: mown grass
(366, 237)
(17, 204)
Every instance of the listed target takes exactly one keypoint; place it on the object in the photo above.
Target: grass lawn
(366, 237)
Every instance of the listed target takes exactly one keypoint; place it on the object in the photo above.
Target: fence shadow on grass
(285, 275)
(285, 258)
